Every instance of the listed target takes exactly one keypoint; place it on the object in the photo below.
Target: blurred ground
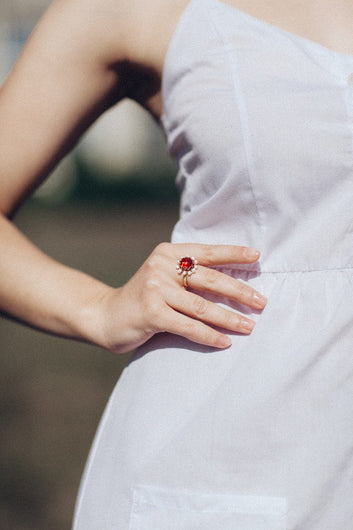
(52, 391)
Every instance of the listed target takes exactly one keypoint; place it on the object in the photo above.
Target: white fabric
(260, 436)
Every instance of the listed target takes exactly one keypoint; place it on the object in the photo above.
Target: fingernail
(259, 299)
(252, 253)
(247, 325)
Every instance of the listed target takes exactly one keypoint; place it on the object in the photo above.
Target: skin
(83, 57)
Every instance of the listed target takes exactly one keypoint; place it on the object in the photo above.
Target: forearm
(63, 301)
(46, 294)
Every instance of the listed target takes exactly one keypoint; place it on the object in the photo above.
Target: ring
(186, 266)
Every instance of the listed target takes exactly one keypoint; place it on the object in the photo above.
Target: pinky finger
(195, 331)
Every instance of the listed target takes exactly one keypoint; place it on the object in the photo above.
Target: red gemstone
(186, 264)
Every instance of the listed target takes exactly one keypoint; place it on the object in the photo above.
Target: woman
(216, 423)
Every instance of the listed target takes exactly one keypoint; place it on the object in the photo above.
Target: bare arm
(71, 70)
(62, 81)
(65, 78)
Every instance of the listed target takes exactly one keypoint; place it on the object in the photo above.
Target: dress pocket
(160, 509)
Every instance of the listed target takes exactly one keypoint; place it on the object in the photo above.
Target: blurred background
(103, 210)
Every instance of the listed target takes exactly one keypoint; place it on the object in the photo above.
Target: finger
(198, 308)
(209, 255)
(194, 330)
(213, 281)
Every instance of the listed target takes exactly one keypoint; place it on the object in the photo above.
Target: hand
(154, 299)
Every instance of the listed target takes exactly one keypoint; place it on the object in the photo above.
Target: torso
(326, 22)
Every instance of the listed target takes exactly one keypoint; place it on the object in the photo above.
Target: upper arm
(83, 56)
(64, 78)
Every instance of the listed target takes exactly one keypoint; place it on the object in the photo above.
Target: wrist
(93, 317)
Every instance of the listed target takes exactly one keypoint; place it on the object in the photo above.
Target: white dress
(259, 436)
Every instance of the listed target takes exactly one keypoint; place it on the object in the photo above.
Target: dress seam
(244, 120)
(349, 268)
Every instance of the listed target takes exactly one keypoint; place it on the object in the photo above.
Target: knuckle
(190, 329)
(155, 310)
(200, 307)
(162, 249)
(154, 263)
(243, 290)
(200, 332)
(148, 301)
(209, 253)
(162, 319)
(211, 276)
(152, 286)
